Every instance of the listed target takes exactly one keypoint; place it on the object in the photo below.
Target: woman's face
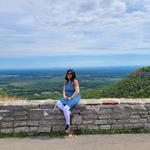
(69, 75)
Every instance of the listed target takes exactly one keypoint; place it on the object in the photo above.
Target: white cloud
(84, 27)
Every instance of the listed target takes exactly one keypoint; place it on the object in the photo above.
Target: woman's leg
(74, 101)
(66, 111)
(60, 105)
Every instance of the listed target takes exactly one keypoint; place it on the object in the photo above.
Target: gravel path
(82, 142)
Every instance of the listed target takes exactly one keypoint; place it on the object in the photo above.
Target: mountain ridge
(135, 85)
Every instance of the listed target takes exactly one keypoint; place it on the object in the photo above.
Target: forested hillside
(136, 85)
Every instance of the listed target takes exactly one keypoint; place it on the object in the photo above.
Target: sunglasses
(69, 73)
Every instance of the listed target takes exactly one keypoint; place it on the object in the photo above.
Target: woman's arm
(76, 85)
(64, 93)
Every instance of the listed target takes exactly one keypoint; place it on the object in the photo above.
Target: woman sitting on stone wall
(71, 96)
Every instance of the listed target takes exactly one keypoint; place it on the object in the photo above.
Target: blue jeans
(72, 102)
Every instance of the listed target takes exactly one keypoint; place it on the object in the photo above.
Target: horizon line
(82, 67)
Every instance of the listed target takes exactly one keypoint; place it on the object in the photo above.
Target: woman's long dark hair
(73, 74)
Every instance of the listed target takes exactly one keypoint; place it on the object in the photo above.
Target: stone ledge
(91, 114)
(102, 101)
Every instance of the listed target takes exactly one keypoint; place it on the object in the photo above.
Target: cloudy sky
(74, 33)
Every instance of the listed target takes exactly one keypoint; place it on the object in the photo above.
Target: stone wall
(94, 114)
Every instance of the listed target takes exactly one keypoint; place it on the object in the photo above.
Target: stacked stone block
(30, 117)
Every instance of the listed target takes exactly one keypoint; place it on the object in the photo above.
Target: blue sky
(81, 33)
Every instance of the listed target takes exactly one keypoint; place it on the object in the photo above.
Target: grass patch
(31, 134)
(112, 131)
(11, 99)
(77, 132)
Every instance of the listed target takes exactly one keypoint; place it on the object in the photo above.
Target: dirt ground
(87, 142)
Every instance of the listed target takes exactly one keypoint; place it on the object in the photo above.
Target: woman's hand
(69, 98)
(65, 97)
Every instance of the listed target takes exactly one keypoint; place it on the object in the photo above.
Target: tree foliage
(136, 85)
